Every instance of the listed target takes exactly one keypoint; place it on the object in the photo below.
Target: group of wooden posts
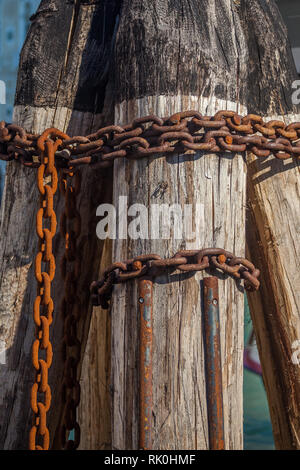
(86, 65)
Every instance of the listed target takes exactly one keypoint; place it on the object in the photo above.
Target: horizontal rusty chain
(187, 131)
(152, 265)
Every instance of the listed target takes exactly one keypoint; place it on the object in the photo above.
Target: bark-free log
(62, 83)
(273, 224)
(95, 409)
(237, 50)
(169, 57)
(261, 51)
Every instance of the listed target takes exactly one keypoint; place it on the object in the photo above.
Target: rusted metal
(71, 306)
(213, 367)
(39, 438)
(184, 261)
(145, 292)
(186, 131)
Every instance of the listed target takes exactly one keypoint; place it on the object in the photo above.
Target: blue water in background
(257, 425)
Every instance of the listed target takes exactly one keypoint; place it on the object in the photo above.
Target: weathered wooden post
(57, 64)
(273, 222)
(170, 57)
(112, 62)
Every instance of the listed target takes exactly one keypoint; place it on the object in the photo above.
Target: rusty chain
(150, 135)
(70, 228)
(152, 265)
(187, 131)
(43, 305)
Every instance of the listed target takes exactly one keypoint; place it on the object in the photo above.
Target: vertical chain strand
(70, 228)
(43, 305)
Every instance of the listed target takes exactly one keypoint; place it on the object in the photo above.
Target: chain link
(187, 131)
(70, 228)
(43, 305)
(147, 136)
(185, 261)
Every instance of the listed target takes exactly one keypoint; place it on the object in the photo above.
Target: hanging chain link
(70, 228)
(153, 265)
(43, 306)
(187, 131)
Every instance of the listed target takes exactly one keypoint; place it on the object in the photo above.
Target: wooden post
(243, 58)
(95, 381)
(170, 57)
(273, 224)
(61, 83)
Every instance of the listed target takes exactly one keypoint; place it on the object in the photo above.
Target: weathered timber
(67, 47)
(172, 56)
(169, 56)
(262, 51)
(95, 405)
(273, 222)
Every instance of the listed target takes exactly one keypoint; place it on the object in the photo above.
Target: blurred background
(257, 424)
(14, 23)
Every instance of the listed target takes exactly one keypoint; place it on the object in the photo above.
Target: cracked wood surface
(218, 186)
(169, 59)
(95, 381)
(241, 63)
(273, 225)
(274, 246)
(54, 70)
(170, 55)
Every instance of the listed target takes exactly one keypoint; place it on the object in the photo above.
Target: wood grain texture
(38, 107)
(172, 56)
(275, 309)
(273, 222)
(234, 41)
(68, 61)
(180, 46)
(270, 66)
(95, 381)
(274, 242)
(155, 55)
(219, 184)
